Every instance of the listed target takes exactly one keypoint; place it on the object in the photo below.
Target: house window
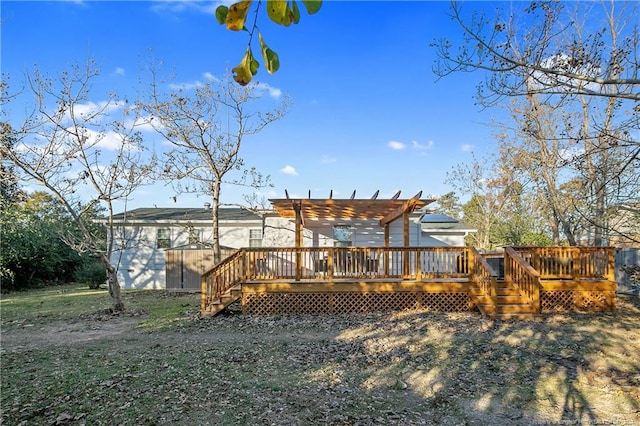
(163, 239)
(255, 237)
(343, 235)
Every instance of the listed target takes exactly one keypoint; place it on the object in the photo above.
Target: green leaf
(312, 6)
(221, 14)
(253, 65)
(247, 68)
(237, 15)
(279, 12)
(295, 12)
(271, 60)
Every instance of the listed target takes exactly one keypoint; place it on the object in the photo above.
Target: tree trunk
(217, 253)
(114, 287)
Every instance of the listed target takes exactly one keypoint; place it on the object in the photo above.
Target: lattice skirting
(321, 303)
(572, 300)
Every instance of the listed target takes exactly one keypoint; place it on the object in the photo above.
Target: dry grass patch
(163, 364)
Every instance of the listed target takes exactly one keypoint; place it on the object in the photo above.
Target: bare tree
(577, 79)
(489, 197)
(538, 156)
(86, 153)
(206, 126)
(533, 49)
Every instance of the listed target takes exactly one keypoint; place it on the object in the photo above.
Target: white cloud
(193, 84)
(118, 71)
(274, 92)
(396, 145)
(566, 63)
(210, 77)
(107, 140)
(185, 86)
(422, 147)
(467, 147)
(103, 107)
(327, 160)
(289, 170)
(179, 6)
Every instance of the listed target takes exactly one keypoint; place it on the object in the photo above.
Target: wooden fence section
(578, 263)
(184, 266)
(573, 278)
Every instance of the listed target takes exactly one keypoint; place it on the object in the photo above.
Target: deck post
(575, 258)
(405, 238)
(386, 252)
(536, 295)
(330, 257)
(203, 292)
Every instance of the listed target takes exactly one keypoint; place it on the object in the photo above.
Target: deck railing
(223, 277)
(328, 263)
(571, 262)
(523, 276)
(483, 276)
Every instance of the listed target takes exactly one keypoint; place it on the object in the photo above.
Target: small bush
(91, 272)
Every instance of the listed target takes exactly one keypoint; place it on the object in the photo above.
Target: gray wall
(627, 257)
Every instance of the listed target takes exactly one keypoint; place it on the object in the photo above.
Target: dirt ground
(400, 368)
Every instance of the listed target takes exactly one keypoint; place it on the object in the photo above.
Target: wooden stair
(230, 296)
(510, 304)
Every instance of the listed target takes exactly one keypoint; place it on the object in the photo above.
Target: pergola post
(405, 241)
(298, 240)
(386, 252)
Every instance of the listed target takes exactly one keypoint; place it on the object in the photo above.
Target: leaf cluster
(32, 249)
(281, 12)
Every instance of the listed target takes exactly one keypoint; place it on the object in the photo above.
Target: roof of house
(437, 218)
(173, 214)
(442, 222)
(447, 226)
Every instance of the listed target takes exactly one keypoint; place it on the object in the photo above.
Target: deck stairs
(510, 303)
(227, 298)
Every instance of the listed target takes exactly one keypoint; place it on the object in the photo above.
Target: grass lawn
(66, 360)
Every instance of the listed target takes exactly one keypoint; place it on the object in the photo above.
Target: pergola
(385, 210)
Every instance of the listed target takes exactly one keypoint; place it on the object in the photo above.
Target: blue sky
(368, 113)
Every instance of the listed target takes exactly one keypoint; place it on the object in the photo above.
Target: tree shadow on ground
(576, 368)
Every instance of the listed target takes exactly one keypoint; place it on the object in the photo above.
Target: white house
(145, 235)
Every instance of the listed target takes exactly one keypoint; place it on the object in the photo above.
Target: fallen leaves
(364, 369)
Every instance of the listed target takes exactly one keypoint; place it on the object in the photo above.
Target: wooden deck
(453, 279)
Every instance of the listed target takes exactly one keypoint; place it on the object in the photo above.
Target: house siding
(280, 232)
(141, 265)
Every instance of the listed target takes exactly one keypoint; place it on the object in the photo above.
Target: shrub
(91, 272)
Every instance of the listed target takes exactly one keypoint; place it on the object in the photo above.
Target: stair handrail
(222, 278)
(484, 277)
(523, 276)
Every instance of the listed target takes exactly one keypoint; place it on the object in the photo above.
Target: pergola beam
(407, 207)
